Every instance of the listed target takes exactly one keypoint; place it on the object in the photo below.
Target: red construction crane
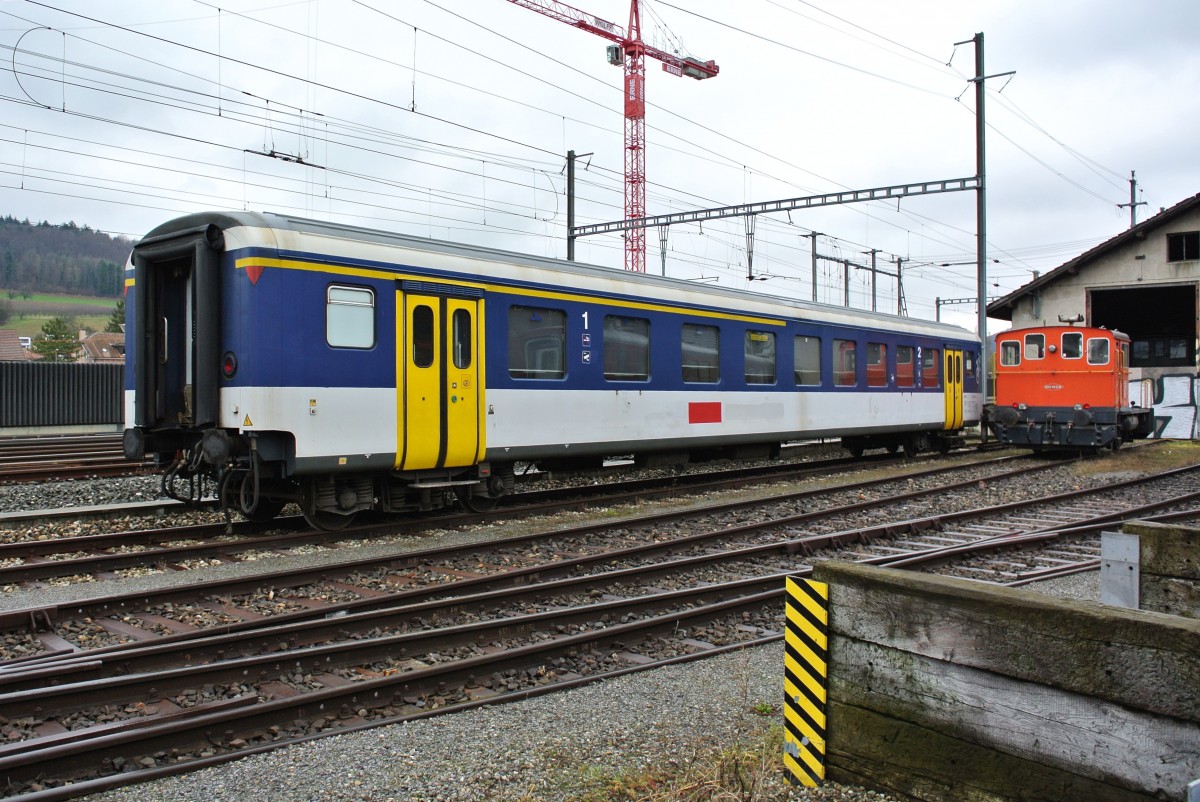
(631, 51)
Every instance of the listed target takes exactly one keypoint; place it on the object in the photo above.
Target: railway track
(24, 560)
(478, 623)
(37, 459)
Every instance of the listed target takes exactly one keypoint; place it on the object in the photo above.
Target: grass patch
(28, 315)
(1147, 457)
(750, 772)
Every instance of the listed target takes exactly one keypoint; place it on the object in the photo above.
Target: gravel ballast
(562, 746)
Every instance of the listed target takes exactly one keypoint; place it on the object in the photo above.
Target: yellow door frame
(952, 381)
(439, 378)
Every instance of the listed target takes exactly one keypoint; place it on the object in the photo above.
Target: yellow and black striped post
(805, 680)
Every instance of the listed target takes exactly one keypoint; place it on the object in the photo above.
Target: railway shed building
(1145, 283)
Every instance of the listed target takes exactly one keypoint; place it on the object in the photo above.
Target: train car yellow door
(439, 373)
(953, 384)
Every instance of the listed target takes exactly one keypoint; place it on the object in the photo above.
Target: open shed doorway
(1161, 322)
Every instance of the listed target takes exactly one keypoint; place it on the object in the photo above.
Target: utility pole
(570, 206)
(571, 157)
(981, 196)
(1133, 201)
(814, 236)
(874, 274)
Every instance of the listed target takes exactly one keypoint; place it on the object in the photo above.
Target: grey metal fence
(60, 394)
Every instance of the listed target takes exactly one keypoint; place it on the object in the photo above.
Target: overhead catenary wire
(666, 191)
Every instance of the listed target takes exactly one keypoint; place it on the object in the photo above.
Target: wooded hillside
(41, 257)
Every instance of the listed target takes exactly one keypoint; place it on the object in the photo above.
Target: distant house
(103, 347)
(11, 348)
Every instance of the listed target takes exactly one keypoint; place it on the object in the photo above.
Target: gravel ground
(562, 746)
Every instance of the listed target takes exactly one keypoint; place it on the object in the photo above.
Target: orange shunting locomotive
(1065, 387)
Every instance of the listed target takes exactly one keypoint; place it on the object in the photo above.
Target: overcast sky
(452, 118)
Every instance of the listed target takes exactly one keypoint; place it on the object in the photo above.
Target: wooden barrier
(945, 689)
(1170, 567)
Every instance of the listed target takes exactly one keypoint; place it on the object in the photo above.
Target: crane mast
(630, 51)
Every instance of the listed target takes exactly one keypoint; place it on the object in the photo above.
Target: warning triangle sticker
(247, 422)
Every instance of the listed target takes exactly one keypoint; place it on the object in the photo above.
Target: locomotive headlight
(229, 364)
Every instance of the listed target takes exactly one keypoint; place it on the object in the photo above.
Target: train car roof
(1093, 330)
(593, 276)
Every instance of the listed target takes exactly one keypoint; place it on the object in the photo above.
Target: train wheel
(476, 502)
(327, 521)
(265, 510)
(318, 518)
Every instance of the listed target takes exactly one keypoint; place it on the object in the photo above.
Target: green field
(28, 314)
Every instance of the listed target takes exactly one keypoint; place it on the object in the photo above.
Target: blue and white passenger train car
(348, 369)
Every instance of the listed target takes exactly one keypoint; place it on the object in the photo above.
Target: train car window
(422, 336)
(876, 365)
(969, 364)
(1010, 353)
(701, 354)
(462, 339)
(1035, 346)
(760, 357)
(845, 363)
(626, 348)
(806, 360)
(1097, 351)
(1072, 345)
(905, 372)
(537, 339)
(349, 317)
(930, 368)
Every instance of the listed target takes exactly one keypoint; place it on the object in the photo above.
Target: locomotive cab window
(1010, 353)
(1072, 345)
(806, 360)
(876, 365)
(626, 348)
(349, 317)
(701, 347)
(930, 368)
(845, 363)
(537, 340)
(905, 373)
(760, 357)
(1035, 346)
(1097, 351)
